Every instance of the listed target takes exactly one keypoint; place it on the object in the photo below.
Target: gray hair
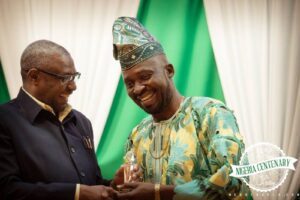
(39, 53)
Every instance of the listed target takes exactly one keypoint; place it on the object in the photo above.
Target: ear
(33, 76)
(170, 70)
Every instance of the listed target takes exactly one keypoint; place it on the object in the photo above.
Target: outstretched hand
(98, 192)
(137, 191)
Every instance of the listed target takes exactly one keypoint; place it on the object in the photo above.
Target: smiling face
(49, 89)
(149, 84)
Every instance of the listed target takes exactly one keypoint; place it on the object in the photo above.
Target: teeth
(145, 98)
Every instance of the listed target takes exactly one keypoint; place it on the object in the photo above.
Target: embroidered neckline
(168, 123)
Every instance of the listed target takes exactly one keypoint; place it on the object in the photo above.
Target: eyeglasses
(64, 78)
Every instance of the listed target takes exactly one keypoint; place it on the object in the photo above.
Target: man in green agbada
(187, 144)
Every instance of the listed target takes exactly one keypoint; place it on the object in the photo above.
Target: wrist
(166, 192)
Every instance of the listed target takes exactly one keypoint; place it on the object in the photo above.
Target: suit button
(82, 174)
(72, 149)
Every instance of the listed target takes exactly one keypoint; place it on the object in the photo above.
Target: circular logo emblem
(263, 167)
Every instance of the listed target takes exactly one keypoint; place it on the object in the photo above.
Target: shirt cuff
(77, 191)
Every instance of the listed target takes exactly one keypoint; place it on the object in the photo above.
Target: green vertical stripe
(4, 95)
(180, 26)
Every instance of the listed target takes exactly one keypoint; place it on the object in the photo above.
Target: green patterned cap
(132, 42)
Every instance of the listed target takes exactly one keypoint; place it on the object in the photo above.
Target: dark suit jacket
(42, 158)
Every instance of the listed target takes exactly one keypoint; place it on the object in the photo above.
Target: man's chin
(60, 108)
(151, 110)
(146, 109)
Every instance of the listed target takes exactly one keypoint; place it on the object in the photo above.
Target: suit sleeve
(13, 187)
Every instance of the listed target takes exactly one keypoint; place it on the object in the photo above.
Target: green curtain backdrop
(4, 95)
(181, 27)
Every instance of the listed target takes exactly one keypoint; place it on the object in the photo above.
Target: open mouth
(146, 99)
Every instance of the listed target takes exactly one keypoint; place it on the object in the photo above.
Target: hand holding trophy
(129, 167)
(129, 172)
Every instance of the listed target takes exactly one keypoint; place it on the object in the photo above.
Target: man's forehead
(138, 70)
(150, 65)
(60, 62)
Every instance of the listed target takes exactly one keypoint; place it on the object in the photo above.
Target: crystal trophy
(130, 162)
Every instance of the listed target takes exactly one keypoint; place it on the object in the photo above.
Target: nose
(71, 85)
(138, 88)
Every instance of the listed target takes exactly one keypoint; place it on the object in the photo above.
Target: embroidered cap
(133, 43)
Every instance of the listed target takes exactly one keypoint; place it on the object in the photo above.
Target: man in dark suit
(46, 147)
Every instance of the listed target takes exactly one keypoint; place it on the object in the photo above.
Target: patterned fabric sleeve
(222, 145)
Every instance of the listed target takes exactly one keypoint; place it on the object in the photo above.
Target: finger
(141, 179)
(104, 194)
(137, 176)
(130, 185)
(112, 194)
(125, 195)
(136, 167)
(139, 172)
(109, 189)
(134, 176)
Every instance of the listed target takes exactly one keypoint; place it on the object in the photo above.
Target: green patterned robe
(192, 150)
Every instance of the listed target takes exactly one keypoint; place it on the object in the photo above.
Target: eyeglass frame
(63, 78)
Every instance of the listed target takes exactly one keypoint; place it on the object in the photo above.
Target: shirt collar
(62, 115)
